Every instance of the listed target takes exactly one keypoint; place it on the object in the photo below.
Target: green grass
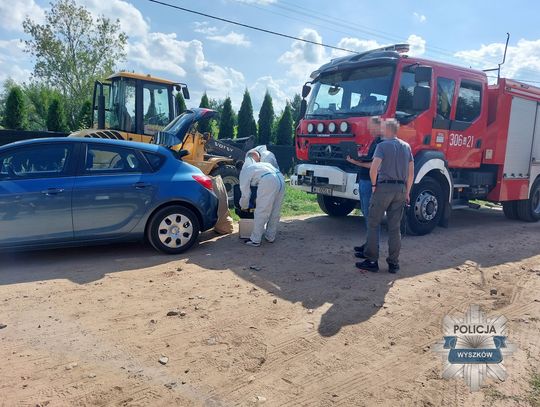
(534, 393)
(295, 203)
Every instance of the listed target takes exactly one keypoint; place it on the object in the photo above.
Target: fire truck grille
(326, 152)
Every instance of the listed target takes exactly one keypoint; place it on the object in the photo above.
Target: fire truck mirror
(421, 98)
(305, 90)
(423, 74)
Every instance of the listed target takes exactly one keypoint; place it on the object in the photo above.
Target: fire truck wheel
(335, 206)
(528, 210)
(229, 175)
(427, 200)
(510, 210)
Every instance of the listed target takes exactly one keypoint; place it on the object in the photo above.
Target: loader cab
(136, 105)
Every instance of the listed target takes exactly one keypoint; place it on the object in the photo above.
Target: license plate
(322, 190)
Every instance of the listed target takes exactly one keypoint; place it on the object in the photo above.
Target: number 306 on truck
(470, 140)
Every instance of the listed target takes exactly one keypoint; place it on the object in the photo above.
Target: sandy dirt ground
(288, 324)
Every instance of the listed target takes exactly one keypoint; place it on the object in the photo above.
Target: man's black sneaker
(393, 268)
(359, 248)
(360, 255)
(368, 265)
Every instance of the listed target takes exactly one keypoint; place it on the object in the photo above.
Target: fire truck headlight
(344, 127)
(332, 127)
(320, 127)
(310, 127)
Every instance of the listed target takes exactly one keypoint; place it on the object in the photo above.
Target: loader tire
(230, 176)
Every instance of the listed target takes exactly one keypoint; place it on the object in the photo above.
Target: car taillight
(204, 180)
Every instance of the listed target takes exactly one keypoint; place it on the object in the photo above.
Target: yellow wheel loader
(136, 107)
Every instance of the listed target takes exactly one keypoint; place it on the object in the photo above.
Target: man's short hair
(254, 153)
(392, 124)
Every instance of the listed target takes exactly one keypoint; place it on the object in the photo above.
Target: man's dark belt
(391, 181)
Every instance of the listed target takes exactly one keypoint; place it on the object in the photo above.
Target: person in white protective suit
(270, 192)
(265, 155)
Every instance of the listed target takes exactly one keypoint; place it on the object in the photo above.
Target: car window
(469, 101)
(155, 160)
(112, 160)
(39, 161)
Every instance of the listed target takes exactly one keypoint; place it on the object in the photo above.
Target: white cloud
(420, 17)
(275, 88)
(13, 13)
(418, 45)
(303, 58)
(185, 60)
(12, 61)
(204, 28)
(522, 60)
(131, 19)
(354, 44)
(231, 38)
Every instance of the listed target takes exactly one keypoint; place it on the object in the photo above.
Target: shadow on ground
(310, 263)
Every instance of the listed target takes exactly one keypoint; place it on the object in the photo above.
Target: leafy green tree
(285, 128)
(295, 108)
(56, 117)
(246, 123)
(7, 86)
(226, 121)
(204, 125)
(85, 116)
(39, 97)
(180, 103)
(72, 49)
(266, 120)
(16, 113)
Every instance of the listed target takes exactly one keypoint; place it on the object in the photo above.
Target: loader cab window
(122, 103)
(469, 101)
(156, 108)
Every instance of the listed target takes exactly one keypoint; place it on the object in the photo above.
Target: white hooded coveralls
(266, 156)
(270, 192)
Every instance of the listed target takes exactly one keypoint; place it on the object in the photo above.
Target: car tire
(528, 210)
(335, 206)
(173, 229)
(427, 207)
(510, 210)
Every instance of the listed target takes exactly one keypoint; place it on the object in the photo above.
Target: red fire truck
(470, 140)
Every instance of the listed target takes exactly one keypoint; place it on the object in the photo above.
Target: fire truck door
(464, 137)
(441, 122)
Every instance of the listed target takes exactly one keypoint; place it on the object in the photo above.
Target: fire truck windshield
(354, 92)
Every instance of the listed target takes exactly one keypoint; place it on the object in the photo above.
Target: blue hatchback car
(78, 191)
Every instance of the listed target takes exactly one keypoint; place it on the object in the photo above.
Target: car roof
(132, 144)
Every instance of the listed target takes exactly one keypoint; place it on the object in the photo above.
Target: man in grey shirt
(392, 175)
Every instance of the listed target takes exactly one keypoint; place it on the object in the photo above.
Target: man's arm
(359, 163)
(374, 170)
(410, 180)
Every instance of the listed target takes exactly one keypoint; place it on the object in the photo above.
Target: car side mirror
(421, 98)
(423, 74)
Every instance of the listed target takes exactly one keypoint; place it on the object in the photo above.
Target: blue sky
(223, 59)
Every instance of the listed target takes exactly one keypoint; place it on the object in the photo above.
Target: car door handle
(52, 191)
(141, 185)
